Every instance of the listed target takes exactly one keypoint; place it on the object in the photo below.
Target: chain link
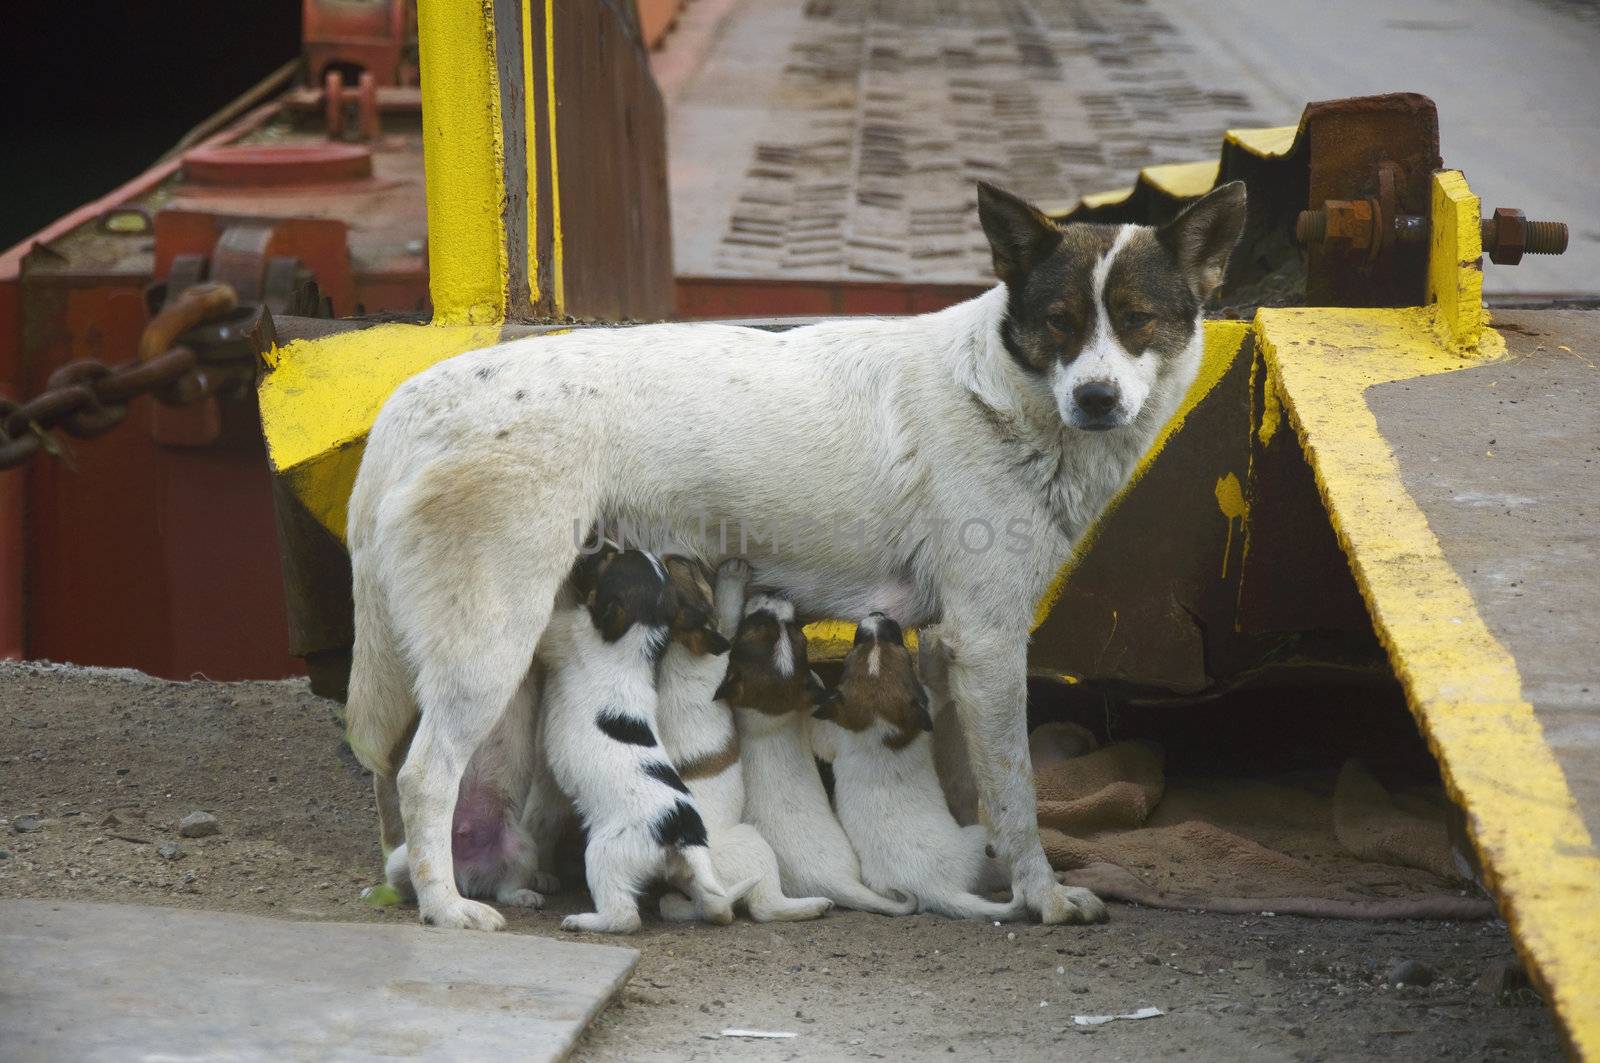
(88, 398)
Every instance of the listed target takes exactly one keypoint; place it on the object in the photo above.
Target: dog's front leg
(988, 679)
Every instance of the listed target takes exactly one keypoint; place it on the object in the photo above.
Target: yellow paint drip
(1222, 342)
(1230, 500)
(557, 252)
(1461, 684)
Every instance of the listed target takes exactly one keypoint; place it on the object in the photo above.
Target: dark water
(96, 90)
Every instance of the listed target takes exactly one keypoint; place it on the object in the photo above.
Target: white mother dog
(935, 468)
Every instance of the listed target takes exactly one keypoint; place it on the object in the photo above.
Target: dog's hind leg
(740, 852)
(950, 755)
(475, 567)
(615, 866)
(971, 906)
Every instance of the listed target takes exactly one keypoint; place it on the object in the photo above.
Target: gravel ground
(97, 768)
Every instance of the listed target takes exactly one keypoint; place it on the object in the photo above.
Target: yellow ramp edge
(1271, 143)
(1462, 685)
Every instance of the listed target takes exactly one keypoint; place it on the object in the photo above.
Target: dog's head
(1101, 314)
(767, 667)
(694, 619)
(879, 684)
(622, 588)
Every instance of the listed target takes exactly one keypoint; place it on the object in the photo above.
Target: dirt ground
(97, 767)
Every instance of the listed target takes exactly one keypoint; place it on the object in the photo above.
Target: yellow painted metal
(1182, 180)
(1105, 199)
(1455, 264)
(530, 126)
(1461, 683)
(557, 252)
(1267, 143)
(321, 396)
(463, 157)
(1222, 342)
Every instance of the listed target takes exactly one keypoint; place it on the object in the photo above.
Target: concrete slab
(1504, 461)
(117, 982)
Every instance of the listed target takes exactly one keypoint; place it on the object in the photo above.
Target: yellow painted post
(1455, 262)
(489, 152)
(463, 156)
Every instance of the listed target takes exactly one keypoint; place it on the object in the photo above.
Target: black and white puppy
(697, 731)
(598, 733)
(773, 692)
(875, 730)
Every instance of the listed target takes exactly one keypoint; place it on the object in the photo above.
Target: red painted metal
(271, 165)
(375, 35)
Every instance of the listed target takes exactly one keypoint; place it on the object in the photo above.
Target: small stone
(1297, 1031)
(27, 824)
(111, 820)
(199, 825)
(122, 771)
(4, 855)
(1502, 977)
(1410, 972)
(169, 851)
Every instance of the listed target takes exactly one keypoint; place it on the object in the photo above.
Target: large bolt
(1311, 226)
(1509, 235)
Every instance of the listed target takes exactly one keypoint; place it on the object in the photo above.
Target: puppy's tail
(855, 895)
(380, 711)
(972, 906)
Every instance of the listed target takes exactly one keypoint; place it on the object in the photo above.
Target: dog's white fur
(694, 725)
(607, 779)
(478, 471)
(786, 802)
(504, 791)
(892, 808)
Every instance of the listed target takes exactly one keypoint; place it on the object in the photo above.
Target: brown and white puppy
(773, 693)
(876, 731)
(698, 735)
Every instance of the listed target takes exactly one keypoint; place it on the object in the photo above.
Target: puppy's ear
(822, 699)
(716, 645)
(586, 570)
(919, 708)
(728, 689)
(1020, 235)
(1203, 236)
(613, 621)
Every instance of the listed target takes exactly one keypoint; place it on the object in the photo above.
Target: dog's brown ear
(613, 621)
(715, 644)
(1020, 235)
(1204, 235)
(728, 689)
(586, 570)
(823, 700)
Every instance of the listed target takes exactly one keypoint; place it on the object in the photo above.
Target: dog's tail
(855, 895)
(972, 906)
(380, 710)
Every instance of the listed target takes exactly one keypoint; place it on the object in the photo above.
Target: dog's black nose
(1095, 398)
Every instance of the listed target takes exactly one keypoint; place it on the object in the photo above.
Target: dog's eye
(1060, 324)
(1134, 320)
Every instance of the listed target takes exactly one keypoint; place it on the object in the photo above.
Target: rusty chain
(201, 343)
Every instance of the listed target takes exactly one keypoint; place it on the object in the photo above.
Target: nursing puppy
(773, 693)
(697, 732)
(598, 731)
(968, 452)
(875, 730)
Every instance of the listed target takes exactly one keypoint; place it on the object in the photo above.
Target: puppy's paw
(676, 908)
(1067, 904)
(595, 923)
(735, 570)
(462, 914)
(521, 898)
(544, 882)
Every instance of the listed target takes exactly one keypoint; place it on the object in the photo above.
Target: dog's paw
(544, 882)
(735, 570)
(521, 898)
(1068, 904)
(595, 923)
(676, 908)
(462, 914)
